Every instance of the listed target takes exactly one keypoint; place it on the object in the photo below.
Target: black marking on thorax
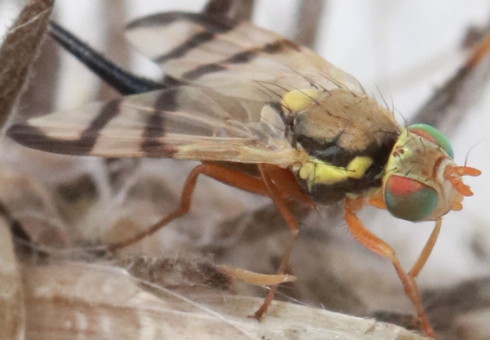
(331, 152)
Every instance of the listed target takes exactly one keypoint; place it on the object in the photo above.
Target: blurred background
(401, 51)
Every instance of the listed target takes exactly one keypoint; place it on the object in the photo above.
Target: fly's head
(422, 182)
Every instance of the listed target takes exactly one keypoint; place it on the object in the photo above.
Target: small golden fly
(246, 95)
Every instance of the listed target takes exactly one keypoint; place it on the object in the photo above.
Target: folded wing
(185, 123)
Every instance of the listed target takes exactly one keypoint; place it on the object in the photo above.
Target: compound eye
(432, 134)
(409, 199)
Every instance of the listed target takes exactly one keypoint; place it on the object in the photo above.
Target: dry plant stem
(307, 30)
(481, 51)
(378, 246)
(77, 291)
(237, 10)
(222, 174)
(113, 11)
(455, 91)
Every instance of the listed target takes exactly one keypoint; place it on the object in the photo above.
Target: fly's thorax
(415, 185)
(316, 171)
(328, 183)
(347, 137)
(347, 119)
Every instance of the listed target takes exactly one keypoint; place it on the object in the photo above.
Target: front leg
(380, 247)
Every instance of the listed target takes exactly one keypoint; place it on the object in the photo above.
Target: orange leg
(378, 246)
(287, 184)
(222, 174)
(277, 193)
(429, 245)
(274, 182)
(378, 202)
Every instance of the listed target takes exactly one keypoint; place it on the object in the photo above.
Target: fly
(249, 96)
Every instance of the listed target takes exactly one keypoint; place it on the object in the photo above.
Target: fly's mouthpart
(453, 175)
(457, 204)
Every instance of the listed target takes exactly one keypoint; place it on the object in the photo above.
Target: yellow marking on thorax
(298, 100)
(316, 171)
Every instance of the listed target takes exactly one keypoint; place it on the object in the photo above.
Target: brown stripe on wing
(211, 26)
(34, 137)
(193, 42)
(155, 125)
(275, 47)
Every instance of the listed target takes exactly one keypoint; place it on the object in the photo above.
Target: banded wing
(222, 54)
(184, 122)
(230, 111)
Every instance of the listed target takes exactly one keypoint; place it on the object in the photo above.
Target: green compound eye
(432, 134)
(409, 199)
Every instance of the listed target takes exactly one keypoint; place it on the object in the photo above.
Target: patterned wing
(230, 111)
(216, 52)
(184, 122)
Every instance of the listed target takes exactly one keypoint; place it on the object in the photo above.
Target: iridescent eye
(432, 134)
(409, 199)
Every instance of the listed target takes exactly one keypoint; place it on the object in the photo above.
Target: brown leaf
(19, 50)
